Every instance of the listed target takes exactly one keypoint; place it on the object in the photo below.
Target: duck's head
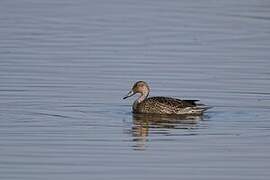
(140, 87)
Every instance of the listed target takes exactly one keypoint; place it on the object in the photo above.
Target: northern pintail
(162, 105)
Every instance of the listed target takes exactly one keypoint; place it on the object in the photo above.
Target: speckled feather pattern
(167, 105)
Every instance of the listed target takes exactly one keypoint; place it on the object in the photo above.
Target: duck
(162, 105)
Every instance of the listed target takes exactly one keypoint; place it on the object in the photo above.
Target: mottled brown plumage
(162, 105)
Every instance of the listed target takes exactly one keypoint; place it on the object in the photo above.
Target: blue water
(65, 66)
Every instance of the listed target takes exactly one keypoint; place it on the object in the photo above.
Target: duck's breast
(160, 105)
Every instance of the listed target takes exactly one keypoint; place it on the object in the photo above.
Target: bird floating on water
(162, 105)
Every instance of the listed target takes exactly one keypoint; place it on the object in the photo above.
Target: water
(65, 66)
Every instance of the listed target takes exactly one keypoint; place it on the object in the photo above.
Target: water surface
(65, 66)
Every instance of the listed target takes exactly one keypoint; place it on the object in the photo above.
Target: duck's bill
(130, 93)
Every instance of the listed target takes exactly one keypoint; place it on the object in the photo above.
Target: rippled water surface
(65, 66)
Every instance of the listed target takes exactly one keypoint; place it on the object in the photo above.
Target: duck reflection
(143, 124)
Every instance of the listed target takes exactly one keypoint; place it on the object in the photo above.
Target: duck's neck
(142, 97)
(138, 101)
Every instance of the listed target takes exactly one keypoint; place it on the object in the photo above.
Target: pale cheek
(143, 89)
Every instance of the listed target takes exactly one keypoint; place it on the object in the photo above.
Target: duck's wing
(173, 102)
(192, 102)
(168, 105)
(164, 105)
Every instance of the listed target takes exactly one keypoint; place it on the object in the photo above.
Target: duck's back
(167, 105)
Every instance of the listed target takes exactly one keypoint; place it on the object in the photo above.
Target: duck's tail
(196, 108)
(203, 107)
(194, 111)
(199, 109)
